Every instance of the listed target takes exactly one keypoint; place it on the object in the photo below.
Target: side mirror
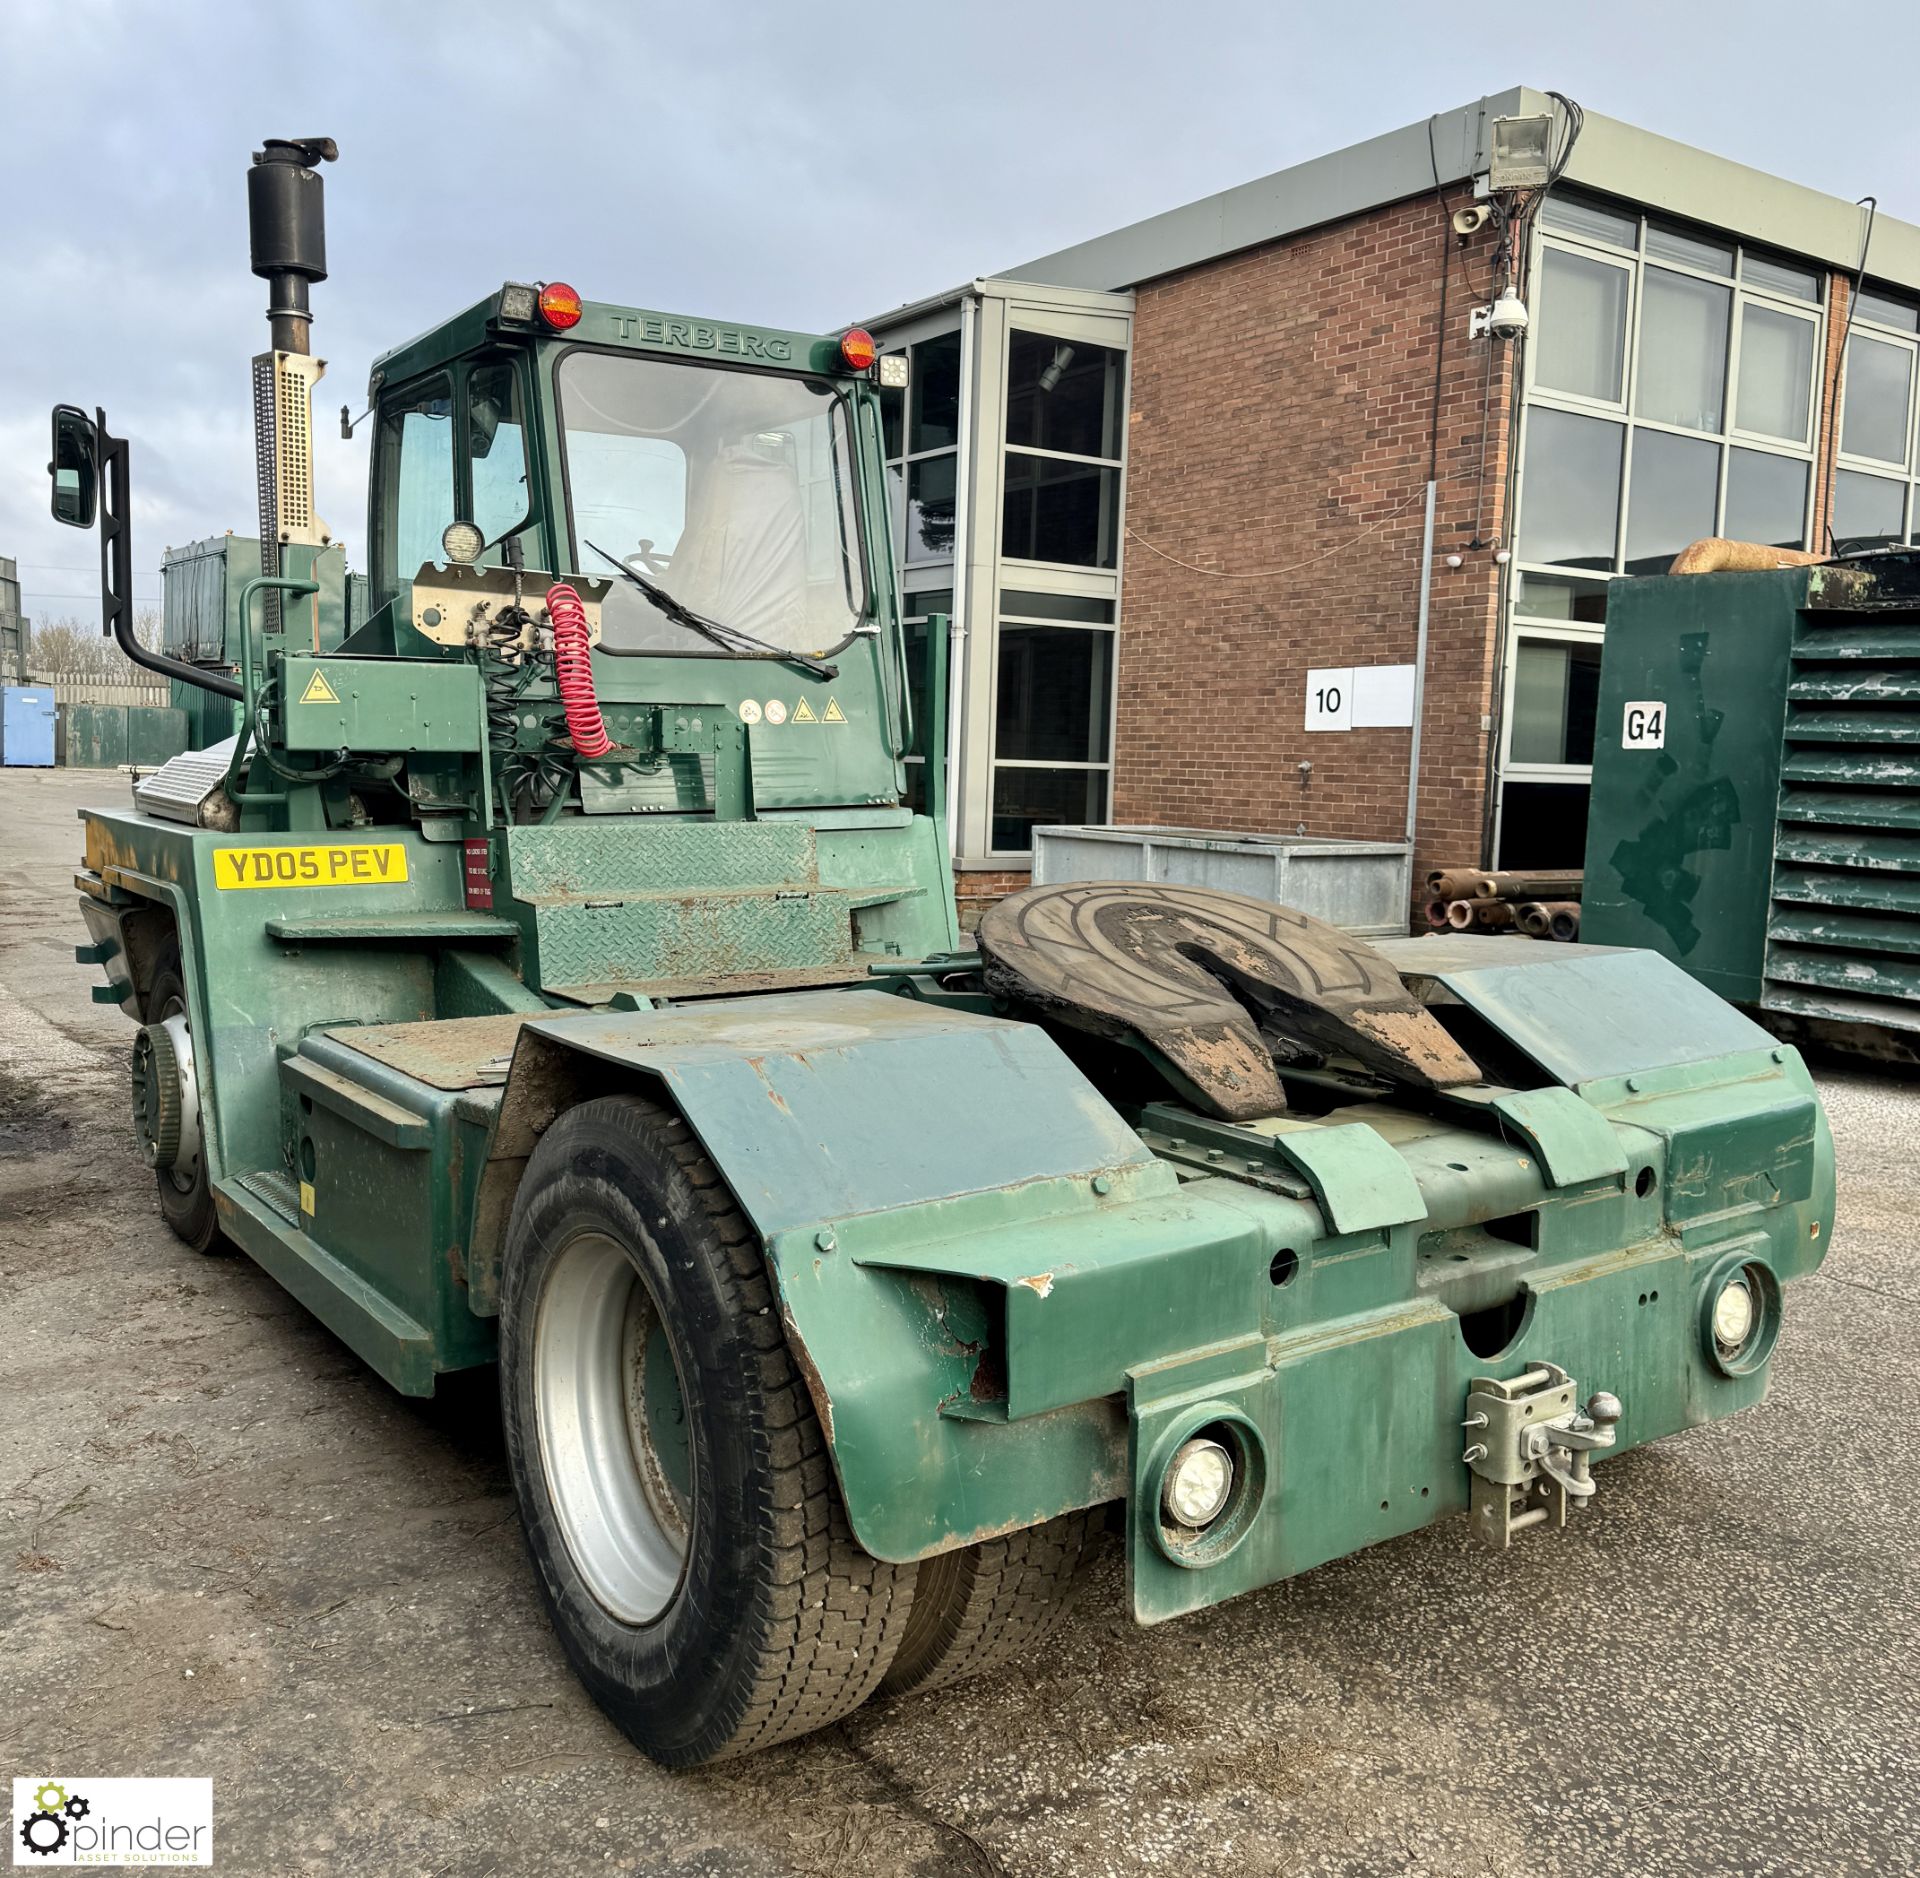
(75, 467)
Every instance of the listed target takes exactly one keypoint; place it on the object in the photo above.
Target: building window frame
(1903, 475)
(1110, 629)
(1729, 436)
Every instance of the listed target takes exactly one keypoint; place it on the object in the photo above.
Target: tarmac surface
(227, 1550)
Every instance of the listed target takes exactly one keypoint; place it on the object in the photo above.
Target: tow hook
(1529, 1446)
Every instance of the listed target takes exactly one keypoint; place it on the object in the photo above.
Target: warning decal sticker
(833, 713)
(803, 713)
(318, 691)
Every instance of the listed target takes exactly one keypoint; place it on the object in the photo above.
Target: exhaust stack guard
(287, 241)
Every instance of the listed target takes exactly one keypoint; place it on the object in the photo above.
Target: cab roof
(623, 328)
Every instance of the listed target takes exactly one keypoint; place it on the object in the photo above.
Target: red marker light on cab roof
(858, 349)
(559, 305)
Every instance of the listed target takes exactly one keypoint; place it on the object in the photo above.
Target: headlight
(1198, 1482)
(1733, 1314)
(462, 543)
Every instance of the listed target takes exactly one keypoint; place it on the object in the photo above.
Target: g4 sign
(1644, 726)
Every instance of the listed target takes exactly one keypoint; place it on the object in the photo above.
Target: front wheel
(676, 1491)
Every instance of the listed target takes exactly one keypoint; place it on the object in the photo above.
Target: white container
(1363, 886)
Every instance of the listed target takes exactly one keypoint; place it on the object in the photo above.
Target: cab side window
(496, 453)
(414, 471)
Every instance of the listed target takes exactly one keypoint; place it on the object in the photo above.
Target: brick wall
(1832, 396)
(976, 889)
(1281, 403)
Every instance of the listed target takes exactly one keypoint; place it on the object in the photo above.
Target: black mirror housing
(75, 467)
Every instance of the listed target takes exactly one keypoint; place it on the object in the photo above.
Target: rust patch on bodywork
(809, 1371)
(1041, 1285)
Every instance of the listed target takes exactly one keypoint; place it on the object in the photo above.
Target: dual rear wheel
(676, 1490)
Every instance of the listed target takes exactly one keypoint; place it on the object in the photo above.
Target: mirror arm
(116, 570)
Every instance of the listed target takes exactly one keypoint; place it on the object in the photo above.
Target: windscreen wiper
(742, 645)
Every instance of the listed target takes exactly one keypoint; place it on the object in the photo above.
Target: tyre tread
(991, 1604)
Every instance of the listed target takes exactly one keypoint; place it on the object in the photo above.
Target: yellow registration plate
(360, 864)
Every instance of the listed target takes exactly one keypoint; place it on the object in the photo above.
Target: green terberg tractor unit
(553, 974)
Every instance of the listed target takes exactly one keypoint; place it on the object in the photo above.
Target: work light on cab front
(559, 305)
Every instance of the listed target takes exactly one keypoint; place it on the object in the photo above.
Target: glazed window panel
(1571, 489)
(932, 485)
(1776, 374)
(1026, 799)
(1767, 499)
(935, 393)
(1060, 511)
(1683, 350)
(1675, 489)
(1064, 395)
(1874, 418)
(1556, 691)
(1582, 338)
(1054, 694)
(1868, 511)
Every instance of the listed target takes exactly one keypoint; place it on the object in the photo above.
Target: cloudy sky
(798, 166)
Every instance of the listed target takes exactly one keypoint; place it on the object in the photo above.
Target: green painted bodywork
(1011, 1294)
(1772, 845)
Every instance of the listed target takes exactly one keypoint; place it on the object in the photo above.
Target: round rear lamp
(1198, 1482)
(559, 305)
(1733, 1314)
(858, 349)
(1739, 1315)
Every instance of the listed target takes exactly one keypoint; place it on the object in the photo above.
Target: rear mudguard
(1008, 1303)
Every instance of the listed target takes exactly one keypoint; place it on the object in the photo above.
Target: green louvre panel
(1756, 785)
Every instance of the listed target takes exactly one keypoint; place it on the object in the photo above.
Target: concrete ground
(225, 1549)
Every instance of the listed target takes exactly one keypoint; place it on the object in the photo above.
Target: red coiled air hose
(573, 671)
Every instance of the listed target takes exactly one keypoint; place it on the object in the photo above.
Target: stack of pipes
(1541, 904)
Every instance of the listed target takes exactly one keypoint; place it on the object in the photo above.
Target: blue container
(26, 726)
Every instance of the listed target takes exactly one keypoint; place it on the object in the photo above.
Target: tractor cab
(714, 494)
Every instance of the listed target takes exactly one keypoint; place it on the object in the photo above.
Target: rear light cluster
(858, 349)
(559, 305)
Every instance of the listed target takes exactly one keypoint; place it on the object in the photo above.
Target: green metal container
(96, 736)
(1756, 786)
(155, 732)
(201, 585)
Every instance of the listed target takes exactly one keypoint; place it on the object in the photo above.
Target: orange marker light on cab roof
(858, 349)
(559, 305)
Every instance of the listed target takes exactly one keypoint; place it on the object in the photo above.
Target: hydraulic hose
(573, 671)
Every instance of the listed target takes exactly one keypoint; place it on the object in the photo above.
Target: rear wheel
(992, 1604)
(186, 1195)
(676, 1491)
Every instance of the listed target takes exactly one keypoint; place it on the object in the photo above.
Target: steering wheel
(654, 564)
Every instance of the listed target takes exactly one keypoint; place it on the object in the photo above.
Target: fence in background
(87, 688)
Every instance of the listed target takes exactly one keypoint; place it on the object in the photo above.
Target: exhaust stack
(287, 230)
(287, 240)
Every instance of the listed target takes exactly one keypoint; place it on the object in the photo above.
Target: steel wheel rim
(184, 1175)
(614, 1466)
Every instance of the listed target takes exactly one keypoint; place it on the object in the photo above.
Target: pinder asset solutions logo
(113, 1822)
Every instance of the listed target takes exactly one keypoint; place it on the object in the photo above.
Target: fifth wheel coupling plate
(1219, 986)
